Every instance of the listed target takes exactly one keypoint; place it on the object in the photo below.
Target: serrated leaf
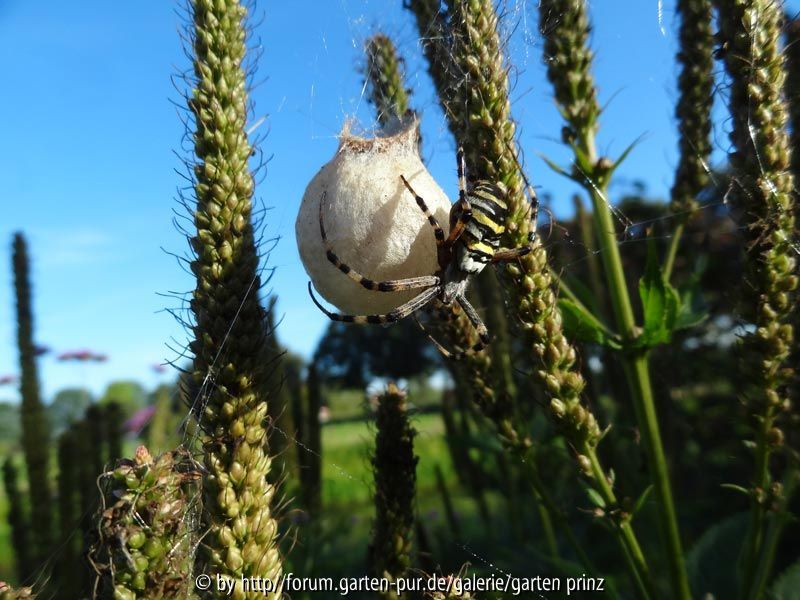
(660, 303)
(642, 499)
(581, 325)
(710, 560)
(595, 497)
(787, 584)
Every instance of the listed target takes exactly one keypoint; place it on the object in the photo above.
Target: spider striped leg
(464, 209)
(462, 177)
(534, 206)
(442, 350)
(507, 255)
(477, 323)
(437, 230)
(393, 316)
(480, 328)
(393, 285)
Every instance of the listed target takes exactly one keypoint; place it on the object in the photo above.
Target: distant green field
(346, 484)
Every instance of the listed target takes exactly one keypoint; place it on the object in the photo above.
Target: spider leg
(508, 254)
(392, 316)
(534, 206)
(464, 209)
(480, 328)
(444, 351)
(392, 285)
(477, 323)
(437, 230)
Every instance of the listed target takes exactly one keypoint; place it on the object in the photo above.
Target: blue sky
(90, 134)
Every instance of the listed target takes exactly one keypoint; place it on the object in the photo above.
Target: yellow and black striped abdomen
(481, 237)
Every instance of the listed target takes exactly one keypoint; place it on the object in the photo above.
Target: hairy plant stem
(565, 27)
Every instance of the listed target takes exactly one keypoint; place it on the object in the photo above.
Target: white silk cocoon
(372, 221)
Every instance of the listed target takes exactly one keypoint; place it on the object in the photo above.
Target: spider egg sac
(372, 222)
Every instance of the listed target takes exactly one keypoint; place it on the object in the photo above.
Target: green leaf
(583, 293)
(642, 499)
(710, 561)
(556, 167)
(582, 167)
(787, 585)
(581, 325)
(660, 303)
(735, 488)
(692, 310)
(625, 153)
(595, 497)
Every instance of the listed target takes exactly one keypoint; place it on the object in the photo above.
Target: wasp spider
(476, 224)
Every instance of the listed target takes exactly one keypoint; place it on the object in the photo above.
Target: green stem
(637, 565)
(566, 290)
(547, 527)
(753, 555)
(555, 513)
(672, 251)
(773, 535)
(638, 376)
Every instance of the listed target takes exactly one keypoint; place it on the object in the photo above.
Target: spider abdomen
(481, 237)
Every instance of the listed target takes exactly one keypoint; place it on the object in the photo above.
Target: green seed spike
(17, 521)
(35, 430)
(69, 520)
(228, 377)
(280, 413)
(87, 496)
(764, 192)
(311, 476)
(384, 79)
(792, 53)
(477, 106)
(394, 466)
(147, 527)
(114, 422)
(792, 32)
(9, 593)
(695, 85)
(97, 442)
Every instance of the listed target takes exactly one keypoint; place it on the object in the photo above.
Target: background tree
(351, 355)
